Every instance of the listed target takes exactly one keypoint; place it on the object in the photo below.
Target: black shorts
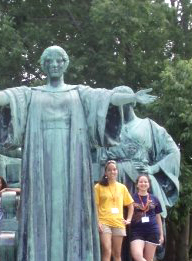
(147, 237)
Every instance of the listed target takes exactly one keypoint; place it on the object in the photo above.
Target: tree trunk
(190, 233)
(182, 244)
(170, 243)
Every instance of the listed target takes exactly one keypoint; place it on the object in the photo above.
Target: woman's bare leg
(105, 239)
(137, 248)
(149, 251)
(116, 247)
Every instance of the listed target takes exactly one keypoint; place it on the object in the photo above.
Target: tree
(132, 36)
(174, 109)
(181, 28)
(110, 43)
(33, 26)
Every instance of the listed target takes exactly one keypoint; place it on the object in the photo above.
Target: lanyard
(145, 207)
(113, 194)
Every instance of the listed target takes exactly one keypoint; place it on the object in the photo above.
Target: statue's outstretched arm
(4, 99)
(121, 96)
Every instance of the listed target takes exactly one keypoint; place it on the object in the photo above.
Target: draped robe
(55, 130)
(143, 140)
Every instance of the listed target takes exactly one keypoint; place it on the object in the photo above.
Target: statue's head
(51, 52)
(127, 108)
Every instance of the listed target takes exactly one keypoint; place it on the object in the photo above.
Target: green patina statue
(146, 147)
(55, 125)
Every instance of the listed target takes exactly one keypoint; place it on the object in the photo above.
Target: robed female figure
(55, 125)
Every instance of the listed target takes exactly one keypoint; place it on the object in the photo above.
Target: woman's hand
(159, 222)
(17, 190)
(3, 190)
(126, 221)
(161, 240)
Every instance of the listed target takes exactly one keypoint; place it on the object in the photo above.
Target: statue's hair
(58, 49)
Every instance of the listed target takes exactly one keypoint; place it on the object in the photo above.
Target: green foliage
(35, 25)
(174, 110)
(11, 53)
(132, 36)
(180, 28)
(178, 213)
(174, 106)
(109, 42)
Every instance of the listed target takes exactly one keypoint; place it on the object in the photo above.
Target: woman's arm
(159, 222)
(130, 207)
(17, 190)
(99, 224)
(97, 207)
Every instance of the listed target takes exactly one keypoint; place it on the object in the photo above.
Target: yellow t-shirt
(110, 201)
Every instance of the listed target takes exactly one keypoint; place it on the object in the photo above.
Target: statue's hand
(143, 97)
(141, 167)
(153, 169)
(144, 168)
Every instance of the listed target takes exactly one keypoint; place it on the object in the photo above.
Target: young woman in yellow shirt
(111, 196)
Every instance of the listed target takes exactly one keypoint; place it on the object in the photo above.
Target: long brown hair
(104, 180)
(3, 182)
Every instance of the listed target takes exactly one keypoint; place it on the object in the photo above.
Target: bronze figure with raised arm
(146, 148)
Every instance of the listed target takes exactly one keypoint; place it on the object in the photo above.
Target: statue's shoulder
(68, 87)
(17, 90)
(154, 124)
(74, 87)
(37, 88)
(82, 87)
(158, 130)
(83, 90)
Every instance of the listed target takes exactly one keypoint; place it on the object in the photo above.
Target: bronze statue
(55, 125)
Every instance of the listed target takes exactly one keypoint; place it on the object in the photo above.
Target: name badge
(145, 219)
(115, 211)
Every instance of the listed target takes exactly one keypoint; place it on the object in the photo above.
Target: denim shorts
(147, 237)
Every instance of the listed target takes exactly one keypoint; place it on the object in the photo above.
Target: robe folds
(143, 140)
(55, 130)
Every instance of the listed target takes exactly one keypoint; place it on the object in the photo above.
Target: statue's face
(54, 64)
